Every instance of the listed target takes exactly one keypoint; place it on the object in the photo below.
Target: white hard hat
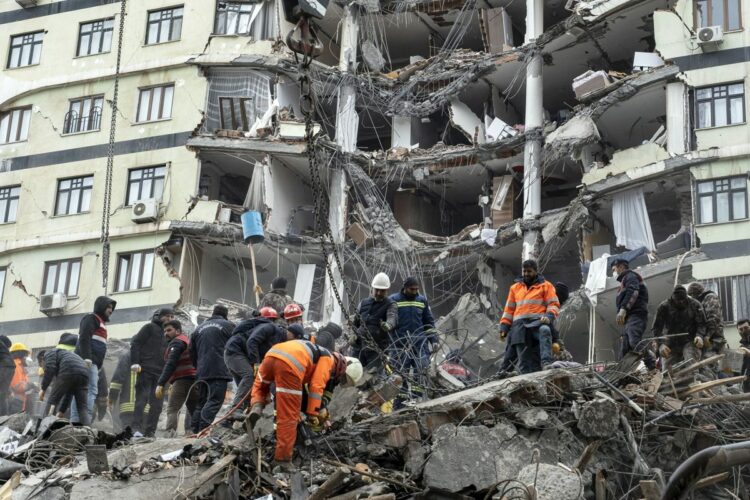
(381, 281)
(354, 370)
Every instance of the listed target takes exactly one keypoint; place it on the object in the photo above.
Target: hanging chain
(106, 209)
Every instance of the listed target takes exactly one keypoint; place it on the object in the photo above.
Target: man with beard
(680, 314)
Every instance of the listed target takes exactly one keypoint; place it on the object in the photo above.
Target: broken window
(722, 200)
(14, 125)
(95, 37)
(9, 203)
(2, 284)
(74, 195)
(84, 115)
(155, 103)
(257, 19)
(25, 50)
(164, 25)
(734, 294)
(720, 105)
(237, 113)
(145, 183)
(62, 276)
(134, 270)
(236, 99)
(724, 13)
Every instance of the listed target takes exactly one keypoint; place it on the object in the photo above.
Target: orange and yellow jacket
(313, 364)
(530, 302)
(20, 381)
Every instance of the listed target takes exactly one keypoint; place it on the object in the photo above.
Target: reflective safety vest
(531, 302)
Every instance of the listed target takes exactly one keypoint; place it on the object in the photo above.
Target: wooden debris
(331, 485)
(713, 383)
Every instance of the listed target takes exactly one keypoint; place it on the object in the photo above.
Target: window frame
(149, 22)
(139, 181)
(243, 118)
(728, 97)
(3, 275)
(33, 43)
(92, 117)
(66, 288)
(10, 198)
(128, 276)
(69, 190)
(150, 90)
(104, 30)
(240, 14)
(714, 192)
(9, 112)
(725, 23)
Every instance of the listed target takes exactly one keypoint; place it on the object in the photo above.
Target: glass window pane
(717, 12)
(65, 184)
(168, 93)
(722, 207)
(95, 41)
(178, 12)
(133, 192)
(36, 54)
(244, 25)
(159, 171)
(736, 110)
(12, 210)
(107, 43)
(231, 23)
(25, 55)
(62, 203)
(155, 103)
(177, 28)
(3, 208)
(62, 277)
(146, 189)
(122, 274)
(88, 181)
(739, 205)
(706, 209)
(51, 279)
(145, 96)
(737, 88)
(733, 15)
(153, 16)
(4, 123)
(135, 174)
(720, 112)
(25, 121)
(14, 119)
(164, 35)
(148, 269)
(738, 182)
(158, 188)
(83, 45)
(86, 200)
(153, 31)
(135, 268)
(705, 93)
(75, 273)
(701, 9)
(74, 197)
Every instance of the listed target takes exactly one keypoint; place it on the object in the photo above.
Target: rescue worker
(290, 366)
(327, 334)
(277, 296)
(413, 339)
(147, 361)
(20, 385)
(207, 353)
(250, 341)
(7, 370)
(71, 376)
(376, 317)
(92, 347)
(743, 327)
(715, 340)
(680, 314)
(179, 373)
(632, 311)
(532, 306)
(122, 394)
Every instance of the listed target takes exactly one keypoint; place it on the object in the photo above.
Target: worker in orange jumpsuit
(291, 365)
(19, 386)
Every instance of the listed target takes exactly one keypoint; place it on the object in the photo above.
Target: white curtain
(630, 217)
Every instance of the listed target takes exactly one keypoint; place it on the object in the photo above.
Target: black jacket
(90, 323)
(237, 343)
(122, 386)
(147, 347)
(174, 350)
(632, 294)
(6, 361)
(62, 363)
(369, 316)
(261, 339)
(207, 348)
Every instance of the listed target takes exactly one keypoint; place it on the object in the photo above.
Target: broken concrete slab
(533, 418)
(165, 483)
(599, 418)
(552, 482)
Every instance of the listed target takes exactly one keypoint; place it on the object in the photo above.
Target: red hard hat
(339, 368)
(269, 312)
(292, 311)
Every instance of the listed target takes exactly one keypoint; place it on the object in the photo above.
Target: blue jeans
(91, 399)
(536, 351)
(412, 362)
(543, 335)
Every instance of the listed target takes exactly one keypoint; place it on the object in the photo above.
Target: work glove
(621, 316)
(41, 395)
(323, 415)
(504, 329)
(88, 363)
(545, 320)
(159, 392)
(665, 351)
(698, 342)
(135, 368)
(352, 339)
(40, 371)
(708, 344)
(384, 327)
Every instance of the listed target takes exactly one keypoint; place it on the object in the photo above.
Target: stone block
(599, 418)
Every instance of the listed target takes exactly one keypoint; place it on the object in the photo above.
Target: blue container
(252, 227)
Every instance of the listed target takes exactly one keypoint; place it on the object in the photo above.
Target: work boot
(255, 413)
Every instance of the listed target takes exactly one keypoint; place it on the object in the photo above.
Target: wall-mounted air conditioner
(710, 37)
(145, 211)
(53, 304)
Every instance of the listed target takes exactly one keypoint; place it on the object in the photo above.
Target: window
(237, 112)
(722, 200)
(164, 25)
(61, 276)
(14, 125)
(720, 105)
(155, 103)
(9, 203)
(2, 284)
(734, 294)
(257, 19)
(145, 183)
(74, 195)
(134, 270)
(95, 37)
(724, 13)
(84, 115)
(25, 49)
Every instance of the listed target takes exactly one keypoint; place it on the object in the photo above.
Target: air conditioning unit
(53, 304)
(710, 37)
(145, 211)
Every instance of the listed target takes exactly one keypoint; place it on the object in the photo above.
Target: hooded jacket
(92, 332)
(415, 321)
(62, 362)
(261, 339)
(632, 294)
(207, 348)
(148, 346)
(674, 320)
(236, 343)
(714, 316)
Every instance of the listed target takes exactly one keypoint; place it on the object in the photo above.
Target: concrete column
(678, 118)
(534, 121)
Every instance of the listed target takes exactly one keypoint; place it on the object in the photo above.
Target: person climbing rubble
(71, 376)
(121, 399)
(376, 317)
(743, 327)
(290, 366)
(412, 341)
(277, 297)
(715, 340)
(632, 311)
(530, 308)
(207, 353)
(7, 370)
(680, 314)
(179, 373)
(147, 361)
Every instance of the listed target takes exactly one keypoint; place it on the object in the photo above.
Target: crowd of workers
(271, 352)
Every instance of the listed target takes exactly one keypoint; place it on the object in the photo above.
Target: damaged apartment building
(451, 140)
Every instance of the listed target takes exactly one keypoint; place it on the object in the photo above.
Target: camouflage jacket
(278, 299)
(714, 322)
(690, 320)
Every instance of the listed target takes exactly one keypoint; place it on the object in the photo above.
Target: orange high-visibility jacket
(530, 302)
(20, 381)
(312, 363)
